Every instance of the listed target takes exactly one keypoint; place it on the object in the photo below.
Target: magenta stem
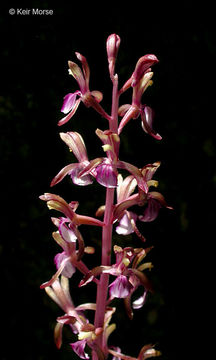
(102, 288)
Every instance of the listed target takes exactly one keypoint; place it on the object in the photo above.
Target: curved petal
(93, 273)
(151, 211)
(78, 347)
(141, 182)
(159, 197)
(56, 202)
(123, 109)
(69, 101)
(85, 67)
(125, 187)
(55, 277)
(143, 65)
(147, 121)
(117, 355)
(58, 334)
(62, 173)
(148, 351)
(90, 168)
(76, 72)
(76, 144)
(138, 303)
(132, 113)
(71, 113)
(142, 278)
(124, 205)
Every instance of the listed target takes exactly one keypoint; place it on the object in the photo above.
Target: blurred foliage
(34, 55)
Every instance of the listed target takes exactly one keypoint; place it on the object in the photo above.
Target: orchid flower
(146, 352)
(105, 169)
(76, 145)
(66, 237)
(152, 200)
(85, 331)
(58, 203)
(129, 276)
(89, 98)
(140, 81)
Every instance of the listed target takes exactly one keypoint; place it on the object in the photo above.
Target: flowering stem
(102, 287)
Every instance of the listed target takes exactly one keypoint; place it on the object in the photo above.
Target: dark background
(34, 80)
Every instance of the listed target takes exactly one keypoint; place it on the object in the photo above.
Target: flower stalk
(102, 287)
(121, 194)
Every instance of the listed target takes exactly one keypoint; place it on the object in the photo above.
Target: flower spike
(131, 197)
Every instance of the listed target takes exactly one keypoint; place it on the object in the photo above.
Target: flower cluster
(121, 278)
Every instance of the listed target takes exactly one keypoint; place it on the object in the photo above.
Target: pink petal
(78, 347)
(120, 288)
(69, 269)
(65, 119)
(80, 180)
(76, 144)
(76, 72)
(125, 227)
(67, 234)
(106, 175)
(123, 109)
(62, 173)
(69, 102)
(151, 211)
(138, 303)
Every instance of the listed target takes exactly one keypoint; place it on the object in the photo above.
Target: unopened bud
(112, 45)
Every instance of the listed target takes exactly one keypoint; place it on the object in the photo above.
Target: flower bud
(112, 45)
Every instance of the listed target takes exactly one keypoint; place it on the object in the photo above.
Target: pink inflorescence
(121, 278)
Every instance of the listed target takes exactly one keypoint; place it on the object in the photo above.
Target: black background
(34, 79)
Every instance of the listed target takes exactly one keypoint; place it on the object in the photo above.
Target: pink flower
(129, 276)
(76, 144)
(152, 200)
(140, 81)
(67, 236)
(89, 98)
